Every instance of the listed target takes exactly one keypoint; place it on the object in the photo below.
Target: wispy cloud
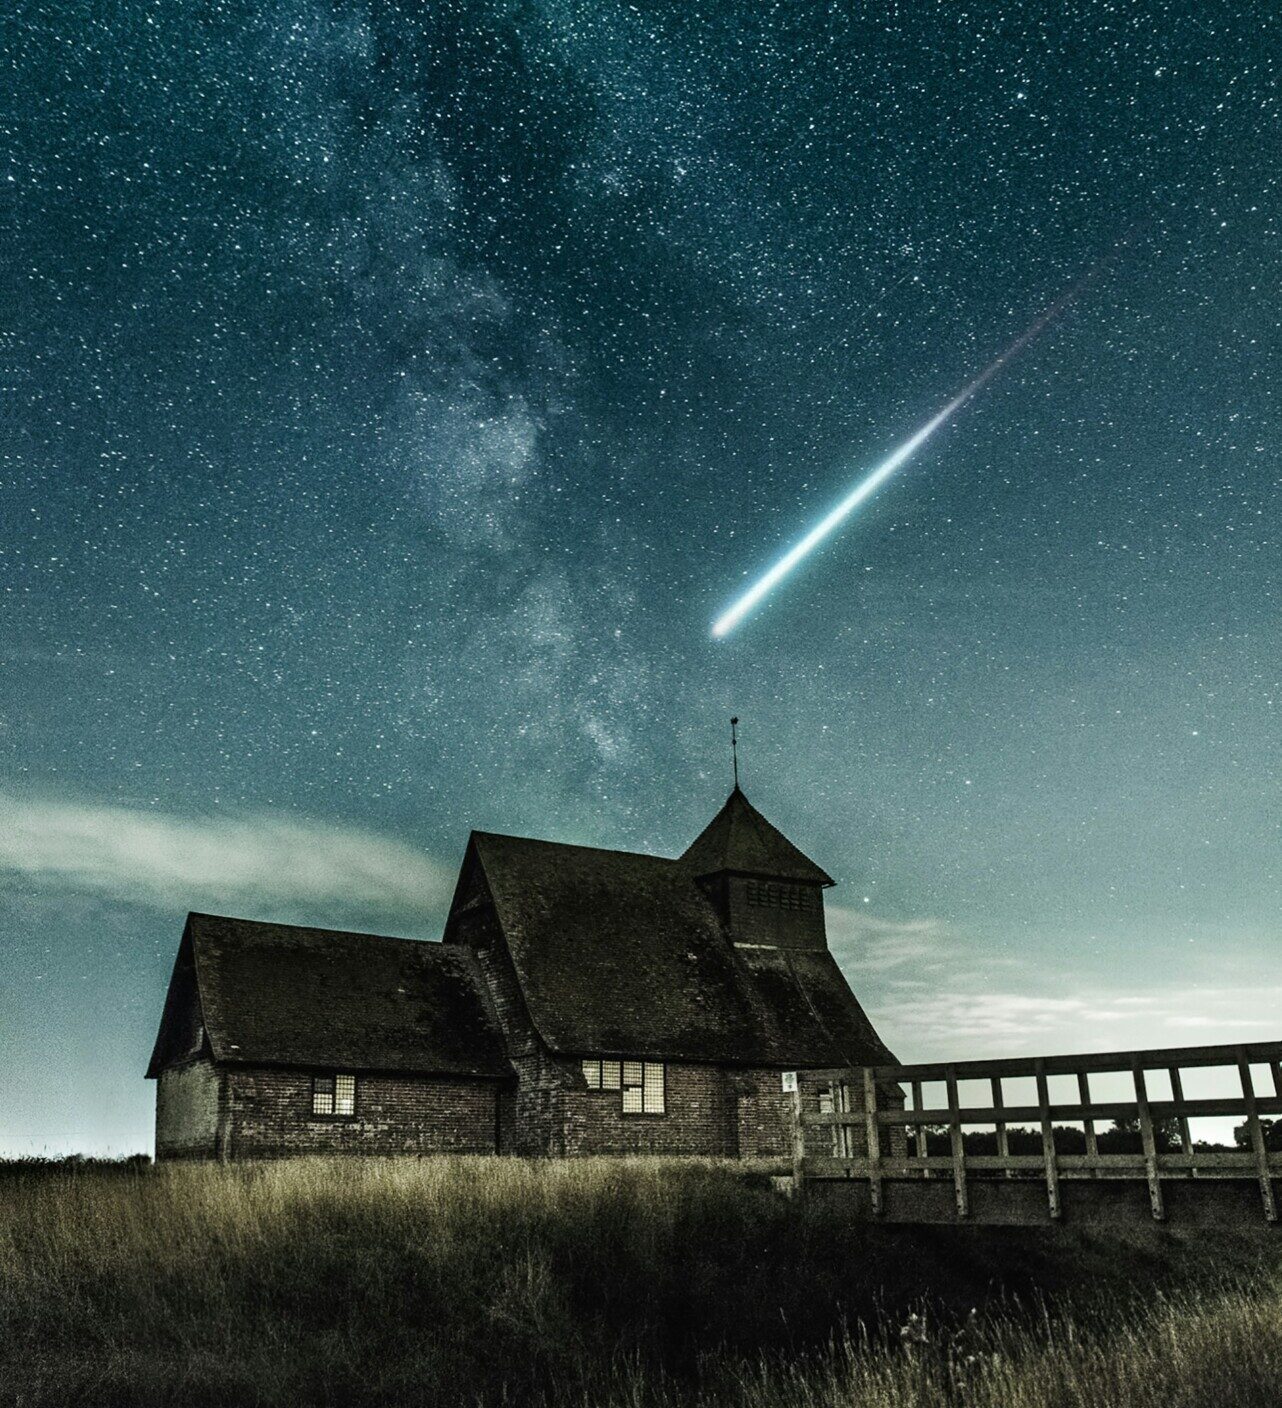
(253, 862)
(934, 993)
(866, 943)
(963, 1021)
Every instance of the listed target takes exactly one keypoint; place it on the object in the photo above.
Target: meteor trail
(725, 623)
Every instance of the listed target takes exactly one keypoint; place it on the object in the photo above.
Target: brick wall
(529, 1118)
(187, 1102)
(711, 1110)
(764, 1115)
(699, 1118)
(269, 1115)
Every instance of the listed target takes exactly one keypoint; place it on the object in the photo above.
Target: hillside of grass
(598, 1282)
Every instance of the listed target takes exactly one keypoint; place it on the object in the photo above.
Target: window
(334, 1095)
(640, 1083)
(771, 895)
(643, 1088)
(633, 1077)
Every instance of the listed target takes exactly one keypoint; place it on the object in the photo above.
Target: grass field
(603, 1283)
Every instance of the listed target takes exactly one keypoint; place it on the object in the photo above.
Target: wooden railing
(871, 1099)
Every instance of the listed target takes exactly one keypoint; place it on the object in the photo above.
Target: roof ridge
(578, 846)
(362, 934)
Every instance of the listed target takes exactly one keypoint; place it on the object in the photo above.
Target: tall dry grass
(1219, 1348)
(634, 1282)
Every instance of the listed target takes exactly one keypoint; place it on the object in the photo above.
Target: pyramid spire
(740, 841)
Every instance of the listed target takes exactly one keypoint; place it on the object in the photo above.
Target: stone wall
(187, 1104)
(269, 1115)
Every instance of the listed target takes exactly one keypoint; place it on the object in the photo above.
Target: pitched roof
(282, 995)
(623, 954)
(741, 840)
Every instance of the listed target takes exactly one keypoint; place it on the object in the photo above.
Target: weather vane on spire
(734, 750)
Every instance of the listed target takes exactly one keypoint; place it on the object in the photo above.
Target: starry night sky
(396, 393)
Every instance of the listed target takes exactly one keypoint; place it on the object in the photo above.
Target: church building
(581, 1001)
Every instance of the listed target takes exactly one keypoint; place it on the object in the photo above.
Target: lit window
(643, 1088)
(333, 1095)
(633, 1075)
(652, 1088)
(640, 1083)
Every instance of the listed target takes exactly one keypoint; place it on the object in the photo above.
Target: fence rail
(871, 1099)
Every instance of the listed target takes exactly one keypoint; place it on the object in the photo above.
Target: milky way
(393, 390)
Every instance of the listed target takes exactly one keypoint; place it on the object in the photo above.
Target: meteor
(725, 623)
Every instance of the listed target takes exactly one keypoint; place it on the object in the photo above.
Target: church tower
(767, 893)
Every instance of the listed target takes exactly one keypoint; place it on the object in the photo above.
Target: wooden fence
(871, 1099)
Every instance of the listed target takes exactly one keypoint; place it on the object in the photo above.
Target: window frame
(642, 1086)
(607, 1075)
(332, 1078)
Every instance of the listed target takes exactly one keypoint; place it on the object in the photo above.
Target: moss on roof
(283, 995)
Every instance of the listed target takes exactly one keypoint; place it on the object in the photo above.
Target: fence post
(1048, 1140)
(1092, 1142)
(798, 1139)
(955, 1142)
(874, 1140)
(1177, 1094)
(1150, 1144)
(1257, 1137)
(1003, 1139)
(919, 1129)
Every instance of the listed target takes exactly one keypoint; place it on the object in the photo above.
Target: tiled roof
(624, 954)
(283, 995)
(739, 839)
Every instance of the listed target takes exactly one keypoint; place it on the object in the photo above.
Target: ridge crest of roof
(572, 846)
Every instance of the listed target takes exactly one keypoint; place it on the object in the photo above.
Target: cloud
(865, 943)
(963, 1022)
(934, 993)
(262, 863)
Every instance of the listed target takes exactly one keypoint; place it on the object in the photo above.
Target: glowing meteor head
(729, 619)
(725, 623)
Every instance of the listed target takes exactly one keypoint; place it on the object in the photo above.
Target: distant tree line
(73, 1163)
(1272, 1135)
(1120, 1137)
